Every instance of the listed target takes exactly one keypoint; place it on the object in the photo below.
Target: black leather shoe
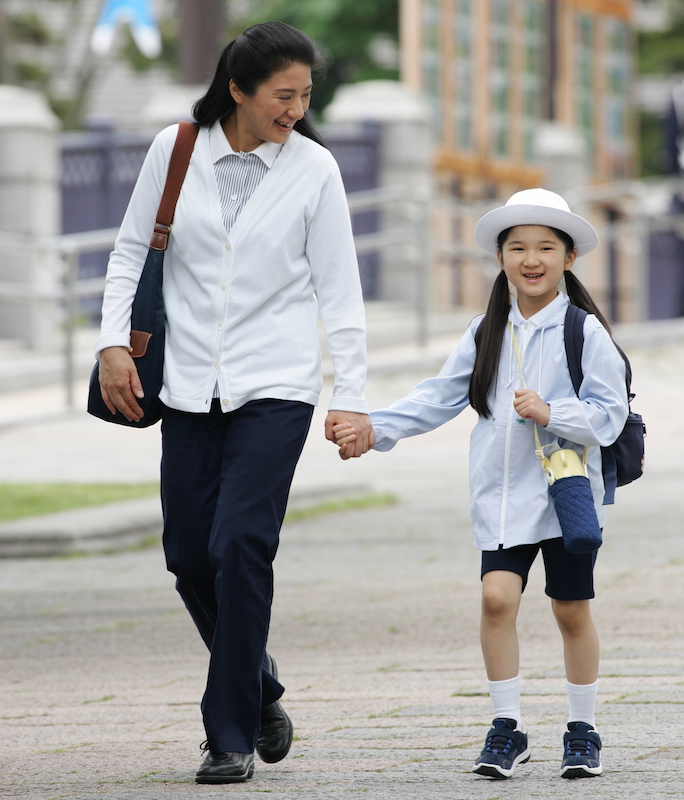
(275, 734)
(226, 768)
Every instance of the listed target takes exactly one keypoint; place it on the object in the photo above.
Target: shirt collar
(220, 147)
(551, 314)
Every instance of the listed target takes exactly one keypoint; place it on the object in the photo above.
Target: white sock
(582, 702)
(506, 699)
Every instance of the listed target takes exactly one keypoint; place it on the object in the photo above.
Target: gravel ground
(375, 629)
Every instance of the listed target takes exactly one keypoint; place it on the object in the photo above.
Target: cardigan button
(227, 245)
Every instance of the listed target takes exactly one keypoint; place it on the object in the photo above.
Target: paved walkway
(375, 629)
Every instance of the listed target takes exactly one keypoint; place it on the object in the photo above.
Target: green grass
(335, 506)
(19, 500)
(30, 499)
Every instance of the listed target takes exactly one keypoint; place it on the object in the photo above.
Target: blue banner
(139, 15)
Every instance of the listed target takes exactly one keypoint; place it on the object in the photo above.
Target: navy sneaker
(582, 756)
(505, 748)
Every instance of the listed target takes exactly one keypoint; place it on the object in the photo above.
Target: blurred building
(495, 69)
(523, 93)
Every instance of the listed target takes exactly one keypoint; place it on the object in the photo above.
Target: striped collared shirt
(238, 174)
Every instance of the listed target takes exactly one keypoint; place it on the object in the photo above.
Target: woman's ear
(570, 259)
(499, 256)
(235, 91)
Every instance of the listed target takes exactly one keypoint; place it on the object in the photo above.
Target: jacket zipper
(507, 458)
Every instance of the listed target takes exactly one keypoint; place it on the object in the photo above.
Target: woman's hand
(359, 437)
(120, 383)
(529, 405)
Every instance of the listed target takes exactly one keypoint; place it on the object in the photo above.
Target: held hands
(120, 383)
(529, 405)
(353, 433)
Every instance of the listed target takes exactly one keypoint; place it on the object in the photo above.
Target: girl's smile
(534, 260)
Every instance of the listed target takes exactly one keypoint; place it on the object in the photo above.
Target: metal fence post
(423, 222)
(70, 277)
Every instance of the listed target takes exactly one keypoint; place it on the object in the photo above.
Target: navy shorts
(568, 576)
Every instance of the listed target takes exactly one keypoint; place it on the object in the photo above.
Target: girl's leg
(501, 593)
(581, 651)
(506, 743)
(580, 640)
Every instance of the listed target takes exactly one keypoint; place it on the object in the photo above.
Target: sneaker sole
(581, 772)
(499, 773)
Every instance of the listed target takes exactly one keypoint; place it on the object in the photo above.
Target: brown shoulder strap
(178, 166)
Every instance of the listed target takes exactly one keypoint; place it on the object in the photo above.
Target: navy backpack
(623, 461)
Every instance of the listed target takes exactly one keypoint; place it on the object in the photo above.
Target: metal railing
(69, 289)
(407, 234)
(410, 239)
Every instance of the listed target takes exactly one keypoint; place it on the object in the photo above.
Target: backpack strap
(178, 166)
(574, 344)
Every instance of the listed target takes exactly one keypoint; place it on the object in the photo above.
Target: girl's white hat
(535, 207)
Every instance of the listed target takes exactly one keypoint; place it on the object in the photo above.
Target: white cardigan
(510, 502)
(242, 308)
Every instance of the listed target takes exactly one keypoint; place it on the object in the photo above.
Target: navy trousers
(225, 481)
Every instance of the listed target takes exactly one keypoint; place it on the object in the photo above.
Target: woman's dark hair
(490, 334)
(250, 60)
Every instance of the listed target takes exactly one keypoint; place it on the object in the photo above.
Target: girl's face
(534, 260)
(270, 113)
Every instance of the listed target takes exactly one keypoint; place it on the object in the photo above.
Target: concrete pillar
(562, 152)
(29, 205)
(406, 160)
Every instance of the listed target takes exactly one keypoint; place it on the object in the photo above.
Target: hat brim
(490, 226)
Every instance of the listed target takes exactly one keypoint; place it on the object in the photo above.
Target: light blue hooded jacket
(510, 502)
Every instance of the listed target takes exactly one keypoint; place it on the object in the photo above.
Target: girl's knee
(572, 615)
(501, 592)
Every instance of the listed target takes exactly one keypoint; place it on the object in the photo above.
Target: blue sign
(140, 18)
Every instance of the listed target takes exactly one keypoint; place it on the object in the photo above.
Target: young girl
(536, 240)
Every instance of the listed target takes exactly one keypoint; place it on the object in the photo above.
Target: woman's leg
(192, 451)
(225, 483)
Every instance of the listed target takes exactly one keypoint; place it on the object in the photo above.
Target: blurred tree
(358, 38)
(660, 52)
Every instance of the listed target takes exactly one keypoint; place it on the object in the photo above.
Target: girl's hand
(529, 405)
(363, 440)
(345, 436)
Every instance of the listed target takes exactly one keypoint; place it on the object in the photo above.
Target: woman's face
(270, 113)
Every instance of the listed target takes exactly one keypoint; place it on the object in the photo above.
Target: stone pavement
(375, 629)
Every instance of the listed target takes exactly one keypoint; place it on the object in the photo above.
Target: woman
(261, 243)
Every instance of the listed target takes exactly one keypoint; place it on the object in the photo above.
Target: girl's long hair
(251, 59)
(490, 334)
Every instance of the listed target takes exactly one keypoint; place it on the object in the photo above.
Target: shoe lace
(578, 747)
(204, 746)
(498, 742)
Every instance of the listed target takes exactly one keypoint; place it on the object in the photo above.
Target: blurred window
(618, 72)
(584, 61)
(432, 79)
(464, 75)
(533, 78)
(500, 76)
